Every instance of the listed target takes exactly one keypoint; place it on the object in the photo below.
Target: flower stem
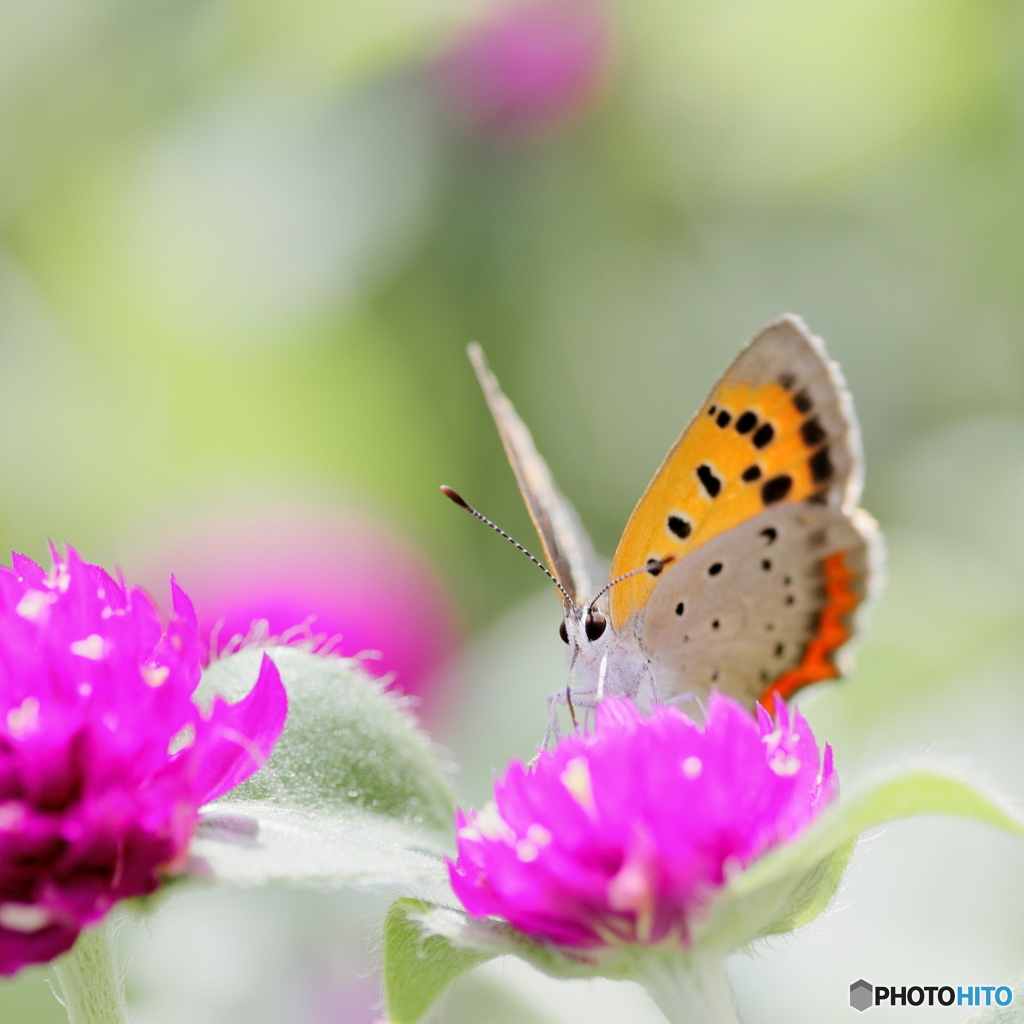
(690, 992)
(90, 978)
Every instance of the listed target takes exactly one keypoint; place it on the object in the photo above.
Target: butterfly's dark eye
(563, 632)
(594, 625)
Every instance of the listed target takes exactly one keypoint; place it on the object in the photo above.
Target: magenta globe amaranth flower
(105, 759)
(529, 68)
(624, 834)
(319, 575)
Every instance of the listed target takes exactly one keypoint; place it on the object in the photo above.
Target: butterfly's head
(582, 627)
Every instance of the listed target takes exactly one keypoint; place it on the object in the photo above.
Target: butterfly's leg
(551, 731)
(682, 698)
(557, 698)
(584, 698)
(573, 698)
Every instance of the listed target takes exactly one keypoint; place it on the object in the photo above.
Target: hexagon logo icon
(861, 995)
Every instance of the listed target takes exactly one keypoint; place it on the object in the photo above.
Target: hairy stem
(90, 978)
(690, 992)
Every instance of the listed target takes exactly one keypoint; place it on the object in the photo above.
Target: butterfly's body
(757, 555)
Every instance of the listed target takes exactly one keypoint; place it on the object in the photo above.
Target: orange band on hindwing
(833, 631)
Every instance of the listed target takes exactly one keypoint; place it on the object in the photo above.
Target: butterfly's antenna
(454, 495)
(654, 566)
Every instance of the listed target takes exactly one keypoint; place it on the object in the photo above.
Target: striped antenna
(454, 495)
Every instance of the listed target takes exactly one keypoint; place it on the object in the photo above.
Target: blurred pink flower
(625, 834)
(327, 577)
(105, 759)
(530, 68)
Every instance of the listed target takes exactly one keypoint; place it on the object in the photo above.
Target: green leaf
(493, 937)
(917, 792)
(794, 883)
(813, 892)
(418, 963)
(353, 794)
(259, 842)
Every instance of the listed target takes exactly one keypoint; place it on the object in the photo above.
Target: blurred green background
(243, 244)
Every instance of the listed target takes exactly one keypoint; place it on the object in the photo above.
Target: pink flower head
(105, 759)
(625, 834)
(531, 67)
(327, 577)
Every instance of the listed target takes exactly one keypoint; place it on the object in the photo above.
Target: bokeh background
(243, 244)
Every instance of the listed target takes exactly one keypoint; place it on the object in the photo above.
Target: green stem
(90, 978)
(690, 991)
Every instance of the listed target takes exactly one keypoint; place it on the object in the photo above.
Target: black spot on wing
(724, 418)
(711, 483)
(746, 423)
(812, 432)
(680, 608)
(776, 489)
(802, 401)
(821, 465)
(763, 435)
(680, 526)
(715, 568)
(713, 410)
(787, 380)
(766, 564)
(752, 473)
(770, 534)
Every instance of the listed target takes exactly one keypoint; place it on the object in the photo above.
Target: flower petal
(645, 819)
(244, 734)
(18, 948)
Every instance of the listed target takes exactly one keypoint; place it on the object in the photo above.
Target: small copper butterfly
(744, 564)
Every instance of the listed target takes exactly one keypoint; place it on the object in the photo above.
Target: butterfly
(747, 560)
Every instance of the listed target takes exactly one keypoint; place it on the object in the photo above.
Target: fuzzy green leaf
(493, 937)
(418, 963)
(917, 792)
(794, 883)
(259, 842)
(813, 892)
(352, 794)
